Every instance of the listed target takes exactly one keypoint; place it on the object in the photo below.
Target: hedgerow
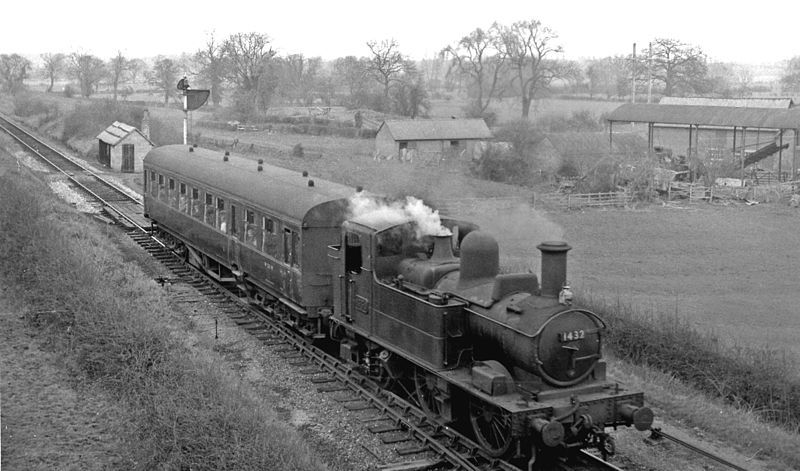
(762, 380)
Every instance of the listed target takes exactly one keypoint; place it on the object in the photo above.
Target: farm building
(122, 147)
(583, 150)
(757, 137)
(428, 139)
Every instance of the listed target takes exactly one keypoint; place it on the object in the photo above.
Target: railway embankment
(101, 327)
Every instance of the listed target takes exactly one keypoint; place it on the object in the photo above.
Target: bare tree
(351, 74)
(135, 68)
(300, 78)
(478, 57)
(88, 70)
(410, 98)
(211, 60)
(117, 67)
(164, 76)
(680, 68)
(53, 65)
(248, 54)
(386, 64)
(13, 71)
(528, 46)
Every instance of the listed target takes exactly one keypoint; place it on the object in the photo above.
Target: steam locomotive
(415, 300)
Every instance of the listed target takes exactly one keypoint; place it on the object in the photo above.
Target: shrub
(87, 120)
(69, 91)
(27, 105)
(297, 150)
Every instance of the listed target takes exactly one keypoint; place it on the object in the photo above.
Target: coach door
(357, 289)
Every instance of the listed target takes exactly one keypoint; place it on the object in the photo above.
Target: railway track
(104, 194)
(391, 417)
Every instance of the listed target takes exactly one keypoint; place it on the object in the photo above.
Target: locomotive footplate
(597, 405)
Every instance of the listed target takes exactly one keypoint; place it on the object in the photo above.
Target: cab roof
(281, 190)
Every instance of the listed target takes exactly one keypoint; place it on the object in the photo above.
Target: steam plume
(372, 211)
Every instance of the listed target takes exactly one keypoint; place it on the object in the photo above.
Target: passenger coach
(267, 222)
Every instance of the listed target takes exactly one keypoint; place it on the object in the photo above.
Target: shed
(430, 138)
(122, 147)
(714, 135)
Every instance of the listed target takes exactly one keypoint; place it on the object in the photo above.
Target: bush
(297, 150)
(501, 165)
(27, 105)
(88, 120)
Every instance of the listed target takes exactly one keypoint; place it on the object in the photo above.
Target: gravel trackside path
(48, 421)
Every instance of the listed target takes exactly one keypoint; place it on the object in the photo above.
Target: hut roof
(117, 132)
(437, 129)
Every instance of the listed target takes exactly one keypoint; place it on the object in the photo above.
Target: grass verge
(108, 323)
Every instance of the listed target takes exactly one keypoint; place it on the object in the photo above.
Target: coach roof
(284, 191)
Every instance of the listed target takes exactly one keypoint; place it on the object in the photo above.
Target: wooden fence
(586, 200)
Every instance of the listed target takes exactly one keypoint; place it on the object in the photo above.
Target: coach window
(222, 215)
(268, 233)
(234, 229)
(197, 205)
(162, 189)
(290, 246)
(153, 183)
(172, 193)
(183, 199)
(252, 235)
(210, 213)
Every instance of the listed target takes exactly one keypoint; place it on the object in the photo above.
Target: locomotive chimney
(554, 266)
(442, 249)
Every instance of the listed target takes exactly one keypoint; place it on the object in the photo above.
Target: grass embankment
(682, 364)
(109, 325)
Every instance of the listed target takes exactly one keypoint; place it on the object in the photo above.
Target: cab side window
(352, 254)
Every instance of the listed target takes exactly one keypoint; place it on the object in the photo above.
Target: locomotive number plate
(571, 335)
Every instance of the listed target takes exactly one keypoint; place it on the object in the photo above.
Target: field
(727, 268)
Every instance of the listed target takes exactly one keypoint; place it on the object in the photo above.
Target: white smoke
(375, 212)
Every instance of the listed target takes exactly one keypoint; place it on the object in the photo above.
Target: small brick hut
(122, 147)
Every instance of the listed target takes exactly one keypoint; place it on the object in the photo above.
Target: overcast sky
(731, 31)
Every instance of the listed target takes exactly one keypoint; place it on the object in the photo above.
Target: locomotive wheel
(425, 384)
(492, 427)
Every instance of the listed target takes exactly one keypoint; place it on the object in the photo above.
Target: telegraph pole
(649, 72)
(183, 86)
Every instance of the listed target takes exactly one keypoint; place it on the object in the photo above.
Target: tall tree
(679, 67)
(211, 60)
(248, 54)
(528, 46)
(53, 65)
(410, 98)
(136, 67)
(299, 78)
(164, 76)
(386, 64)
(350, 73)
(88, 70)
(13, 71)
(117, 67)
(477, 56)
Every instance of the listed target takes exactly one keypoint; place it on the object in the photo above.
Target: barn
(122, 147)
(431, 139)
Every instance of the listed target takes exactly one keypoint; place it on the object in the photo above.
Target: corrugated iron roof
(781, 103)
(770, 118)
(596, 143)
(437, 129)
(118, 131)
